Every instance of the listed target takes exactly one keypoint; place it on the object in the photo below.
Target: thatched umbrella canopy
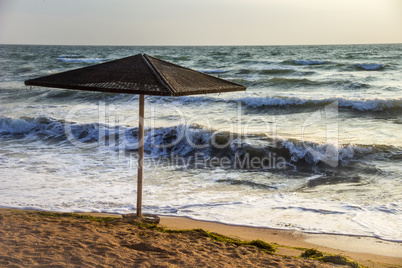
(139, 74)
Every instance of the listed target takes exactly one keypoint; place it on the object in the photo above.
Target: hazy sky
(206, 22)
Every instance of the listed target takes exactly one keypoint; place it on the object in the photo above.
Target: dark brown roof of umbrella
(139, 74)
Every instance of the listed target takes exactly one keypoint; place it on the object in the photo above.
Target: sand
(368, 251)
(28, 239)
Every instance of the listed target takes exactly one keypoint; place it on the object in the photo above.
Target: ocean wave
(24, 69)
(78, 58)
(172, 58)
(217, 71)
(193, 142)
(358, 66)
(220, 53)
(375, 105)
(253, 103)
(72, 97)
(292, 82)
(181, 58)
(349, 85)
(370, 66)
(311, 62)
(70, 56)
(85, 60)
(291, 79)
(260, 102)
(267, 71)
(368, 105)
(306, 62)
(256, 62)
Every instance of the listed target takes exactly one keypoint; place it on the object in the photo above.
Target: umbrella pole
(140, 156)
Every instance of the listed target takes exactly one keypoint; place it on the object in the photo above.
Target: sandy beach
(46, 239)
(312, 146)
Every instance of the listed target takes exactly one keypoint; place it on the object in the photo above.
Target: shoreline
(307, 233)
(342, 242)
(270, 228)
(370, 252)
(364, 250)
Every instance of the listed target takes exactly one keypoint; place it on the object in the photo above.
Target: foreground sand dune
(29, 238)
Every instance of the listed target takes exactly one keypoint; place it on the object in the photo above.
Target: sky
(202, 22)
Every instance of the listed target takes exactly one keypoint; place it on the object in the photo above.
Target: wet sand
(367, 251)
(29, 238)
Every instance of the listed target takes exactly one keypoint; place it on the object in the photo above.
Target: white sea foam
(16, 126)
(181, 140)
(214, 71)
(333, 154)
(86, 60)
(69, 56)
(375, 104)
(49, 162)
(197, 196)
(274, 101)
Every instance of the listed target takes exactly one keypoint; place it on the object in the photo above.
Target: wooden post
(140, 156)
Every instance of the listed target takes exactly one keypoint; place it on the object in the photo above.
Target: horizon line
(243, 45)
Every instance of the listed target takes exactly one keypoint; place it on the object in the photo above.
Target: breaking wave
(213, 71)
(239, 151)
(78, 58)
(267, 71)
(369, 105)
(358, 66)
(376, 104)
(370, 66)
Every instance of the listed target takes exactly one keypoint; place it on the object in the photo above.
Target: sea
(313, 145)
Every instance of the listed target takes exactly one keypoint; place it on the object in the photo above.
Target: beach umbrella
(139, 74)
